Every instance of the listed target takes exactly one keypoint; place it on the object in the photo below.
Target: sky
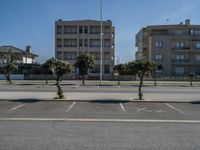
(32, 22)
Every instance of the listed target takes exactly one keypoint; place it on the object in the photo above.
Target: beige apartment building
(75, 37)
(177, 47)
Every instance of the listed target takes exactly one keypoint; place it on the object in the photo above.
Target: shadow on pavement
(26, 100)
(195, 102)
(109, 101)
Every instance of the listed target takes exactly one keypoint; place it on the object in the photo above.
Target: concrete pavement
(83, 96)
(88, 93)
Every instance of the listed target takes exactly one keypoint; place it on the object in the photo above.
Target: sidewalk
(86, 96)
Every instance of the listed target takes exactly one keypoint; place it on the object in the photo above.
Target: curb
(98, 101)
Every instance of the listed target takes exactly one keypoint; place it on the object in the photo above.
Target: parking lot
(107, 125)
(99, 110)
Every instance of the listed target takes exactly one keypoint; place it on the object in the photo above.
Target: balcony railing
(181, 61)
(182, 48)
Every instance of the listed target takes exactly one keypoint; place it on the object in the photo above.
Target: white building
(26, 56)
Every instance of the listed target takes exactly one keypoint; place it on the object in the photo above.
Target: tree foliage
(153, 68)
(140, 68)
(84, 62)
(59, 68)
(8, 61)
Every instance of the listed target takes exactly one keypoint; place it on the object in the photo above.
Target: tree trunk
(46, 79)
(60, 91)
(118, 80)
(154, 77)
(8, 78)
(83, 79)
(140, 88)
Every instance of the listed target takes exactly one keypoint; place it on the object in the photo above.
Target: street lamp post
(101, 44)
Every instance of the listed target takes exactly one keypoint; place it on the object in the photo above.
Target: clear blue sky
(31, 22)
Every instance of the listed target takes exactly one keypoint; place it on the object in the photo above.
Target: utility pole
(101, 43)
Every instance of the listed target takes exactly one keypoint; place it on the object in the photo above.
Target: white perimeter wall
(13, 77)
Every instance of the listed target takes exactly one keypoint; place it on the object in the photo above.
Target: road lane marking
(100, 120)
(141, 109)
(123, 108)
(70, 107)
(14, 108)
(180, 111)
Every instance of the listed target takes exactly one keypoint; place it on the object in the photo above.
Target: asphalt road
(99, 125)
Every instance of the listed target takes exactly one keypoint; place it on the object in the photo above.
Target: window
(70, 30)
(107, 29)
(95, 30)
(196, 32)
(80, 42)
(106, 56)
(70, 55)
(86, 43)
(107, 43)
(80, 30)
(197, 45)
(197, 58)
(159, 44)
(70, 43)
(86, 29)
(59, 30)
(96, 69)
(179, 70)
(178, 32)
(59, 42)
(180, 45)
(59, 55)
(158, 56)
(180, 58)
(75, 70)
(106, 69)
(197, 70)
(94, 43)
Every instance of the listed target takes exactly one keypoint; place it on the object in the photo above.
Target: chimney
(187, 22)
(28, 49)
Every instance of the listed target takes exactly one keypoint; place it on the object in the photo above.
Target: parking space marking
(123, 108)
(70, 107)
(180, 111)
(101, 120)
(14, 108)
(141, 109)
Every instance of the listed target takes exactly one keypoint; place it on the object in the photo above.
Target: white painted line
(175, 108)
(14, 108)
(123, 108)
(100, 120)
(141, 109)
(70, 107)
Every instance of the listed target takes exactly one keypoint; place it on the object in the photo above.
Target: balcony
(181, 61)
(181, 49)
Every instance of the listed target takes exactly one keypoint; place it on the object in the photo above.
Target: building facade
(177, 47)
(26, 56)
(75, 37)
